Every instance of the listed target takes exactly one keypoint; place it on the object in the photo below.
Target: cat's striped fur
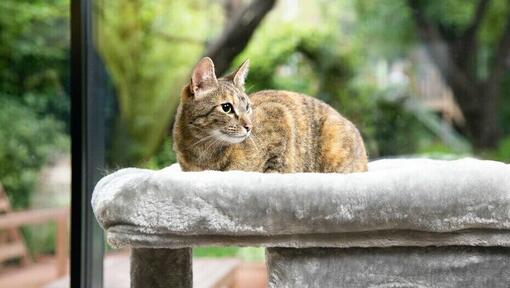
(268, 131)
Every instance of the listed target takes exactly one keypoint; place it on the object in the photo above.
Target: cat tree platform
(404, 223)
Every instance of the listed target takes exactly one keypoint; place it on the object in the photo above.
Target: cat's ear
(239, 76)
(203, 77)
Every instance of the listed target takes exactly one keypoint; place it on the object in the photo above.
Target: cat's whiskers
(212, 144)
(201, 140)
(254, 143)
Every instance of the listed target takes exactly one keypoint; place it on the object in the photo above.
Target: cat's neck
(203, 156)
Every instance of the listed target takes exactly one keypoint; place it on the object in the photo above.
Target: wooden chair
(27, 273)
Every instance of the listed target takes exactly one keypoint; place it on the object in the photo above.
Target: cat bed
(398, 202)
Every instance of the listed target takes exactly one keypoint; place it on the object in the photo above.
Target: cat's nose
(248, 127)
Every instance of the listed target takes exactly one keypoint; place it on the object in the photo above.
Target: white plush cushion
(416, 202)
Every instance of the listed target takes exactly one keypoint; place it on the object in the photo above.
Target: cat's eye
(227, 108)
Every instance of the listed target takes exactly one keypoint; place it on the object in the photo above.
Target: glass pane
(418, 78)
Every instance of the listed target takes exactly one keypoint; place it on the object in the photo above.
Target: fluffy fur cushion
(412, 202)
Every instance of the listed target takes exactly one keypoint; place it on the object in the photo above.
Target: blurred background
(418, 78)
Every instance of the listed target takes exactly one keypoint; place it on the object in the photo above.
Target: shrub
(26, 142)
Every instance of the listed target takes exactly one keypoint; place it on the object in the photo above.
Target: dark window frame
(88, 94)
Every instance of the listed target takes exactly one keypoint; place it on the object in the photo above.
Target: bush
(26, 142)
(396, 130)
(164, 157)
(501, 152)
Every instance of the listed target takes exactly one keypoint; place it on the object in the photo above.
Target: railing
(405, 223)
(32, 217)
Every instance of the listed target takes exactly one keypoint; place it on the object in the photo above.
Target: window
(99, 84)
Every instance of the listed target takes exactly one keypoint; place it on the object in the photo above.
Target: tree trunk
(479, 106)
(455, 56)
(237, 34)
(231, 7)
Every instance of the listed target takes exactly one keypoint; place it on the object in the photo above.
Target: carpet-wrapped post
(413, 267)
(161, 268)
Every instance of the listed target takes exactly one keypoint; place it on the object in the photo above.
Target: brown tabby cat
(219, 127)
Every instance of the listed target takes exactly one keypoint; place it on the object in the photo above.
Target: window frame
(88, 94)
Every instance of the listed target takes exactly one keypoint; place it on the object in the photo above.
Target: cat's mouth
(230, 138)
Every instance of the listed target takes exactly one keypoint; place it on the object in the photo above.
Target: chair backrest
(12, 245)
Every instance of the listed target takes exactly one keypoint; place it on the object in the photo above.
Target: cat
(219, 127)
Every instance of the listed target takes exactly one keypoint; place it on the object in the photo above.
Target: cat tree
(405, 223)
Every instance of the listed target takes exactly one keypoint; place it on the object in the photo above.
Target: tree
(458, 54)
(238, 32)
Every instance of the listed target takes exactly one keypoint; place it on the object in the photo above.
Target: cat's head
(218, 109)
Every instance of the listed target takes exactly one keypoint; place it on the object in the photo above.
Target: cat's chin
(230, 139)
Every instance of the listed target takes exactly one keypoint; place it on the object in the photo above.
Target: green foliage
(34, 55)
(271, 48)
(382, 29)
(396, 130)
(493, 23)
(318, 62)
(164, 157)
(247, 253)
(440, 151)
(252, 253)
(505, 105)
(216, 252)
(501, 153)
(25, 145)
(388, 28)
(40, 239)
(454, 15)
(149, 47)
